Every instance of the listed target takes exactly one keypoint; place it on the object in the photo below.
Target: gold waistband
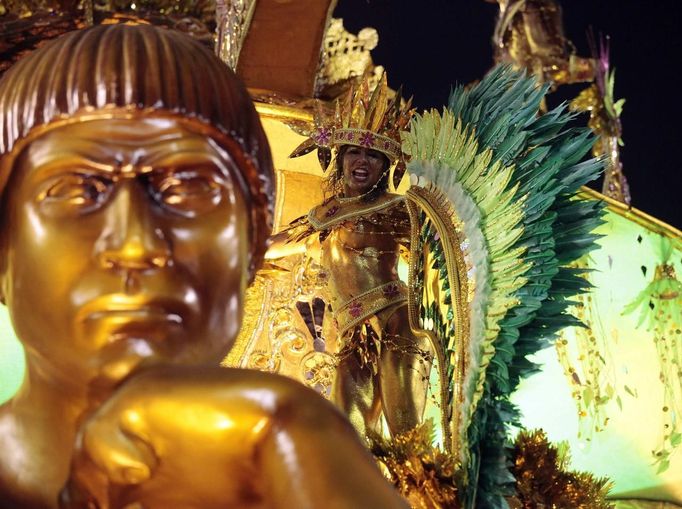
(366, 304)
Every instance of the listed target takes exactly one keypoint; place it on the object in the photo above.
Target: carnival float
(497, 333)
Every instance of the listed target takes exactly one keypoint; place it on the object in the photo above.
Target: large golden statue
(356, 235)
(137, 188)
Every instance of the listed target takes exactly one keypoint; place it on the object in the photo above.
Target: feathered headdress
(364, 119)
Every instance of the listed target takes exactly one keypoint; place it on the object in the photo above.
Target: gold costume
(357, 234)
(359, 247)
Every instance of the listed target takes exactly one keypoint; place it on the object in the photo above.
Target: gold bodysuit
(360, 244)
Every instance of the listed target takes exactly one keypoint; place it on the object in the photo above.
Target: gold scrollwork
(317, 371)
(345, 56)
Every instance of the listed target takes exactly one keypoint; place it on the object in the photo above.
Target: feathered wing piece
(495, 224)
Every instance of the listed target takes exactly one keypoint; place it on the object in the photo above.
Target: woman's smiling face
(362, 169)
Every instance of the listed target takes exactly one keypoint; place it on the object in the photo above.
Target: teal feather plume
(548, 157)
(535, 163)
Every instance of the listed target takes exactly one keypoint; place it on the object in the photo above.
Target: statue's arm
(312, 455)
(228, 436)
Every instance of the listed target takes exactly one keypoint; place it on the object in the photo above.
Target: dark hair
(335, 178)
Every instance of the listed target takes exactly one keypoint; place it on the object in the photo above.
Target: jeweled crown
(362, 118)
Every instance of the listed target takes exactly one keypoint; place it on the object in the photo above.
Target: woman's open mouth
(360, 175)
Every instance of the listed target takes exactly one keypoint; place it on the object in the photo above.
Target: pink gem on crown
(367, 140)
(323, 136)
(355, 309)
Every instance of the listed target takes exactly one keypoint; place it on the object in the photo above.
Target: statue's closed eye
(188, 193)
(81, 192)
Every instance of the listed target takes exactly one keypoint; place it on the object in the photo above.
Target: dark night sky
(428, 45)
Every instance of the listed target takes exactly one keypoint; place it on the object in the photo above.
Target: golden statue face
(124, 244)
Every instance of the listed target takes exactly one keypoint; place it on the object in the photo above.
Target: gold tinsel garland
(543, 481)
(422, 474)
(427, 477)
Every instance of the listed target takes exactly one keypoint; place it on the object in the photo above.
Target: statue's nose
(133, 240)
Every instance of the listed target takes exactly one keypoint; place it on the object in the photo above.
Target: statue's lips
(130, 330)
(137, 309)
(146, 313)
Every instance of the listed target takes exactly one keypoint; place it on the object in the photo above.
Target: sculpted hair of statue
(119, 70)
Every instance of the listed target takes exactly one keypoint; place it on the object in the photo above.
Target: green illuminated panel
(623, 450)
(11, 358)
